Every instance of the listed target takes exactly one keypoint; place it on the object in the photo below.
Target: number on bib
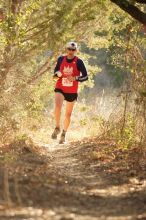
(66, 82)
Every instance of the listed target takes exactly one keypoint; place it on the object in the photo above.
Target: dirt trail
(76, 181)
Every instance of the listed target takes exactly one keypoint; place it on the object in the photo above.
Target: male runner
(67, 73)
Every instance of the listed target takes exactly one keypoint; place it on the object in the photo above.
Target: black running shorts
(70, 97)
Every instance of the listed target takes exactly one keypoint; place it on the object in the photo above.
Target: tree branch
(37, 26)
(141, 1)
(34, 34)
(131, 10)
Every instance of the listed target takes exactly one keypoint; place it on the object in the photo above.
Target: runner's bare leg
(68, 112)
(58, 106)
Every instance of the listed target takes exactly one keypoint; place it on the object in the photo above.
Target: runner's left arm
(81, 67)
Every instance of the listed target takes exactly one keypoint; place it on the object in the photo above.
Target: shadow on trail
(68, 181)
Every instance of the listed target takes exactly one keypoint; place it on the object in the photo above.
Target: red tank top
(68, 69)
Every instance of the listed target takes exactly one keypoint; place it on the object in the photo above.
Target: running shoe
(55, 133)
(62, 137)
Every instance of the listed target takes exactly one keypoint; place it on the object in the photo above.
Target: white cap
(72, 45)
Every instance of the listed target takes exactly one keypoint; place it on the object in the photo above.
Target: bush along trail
(84, 180)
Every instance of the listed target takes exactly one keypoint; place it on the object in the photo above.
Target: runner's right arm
(57, 67)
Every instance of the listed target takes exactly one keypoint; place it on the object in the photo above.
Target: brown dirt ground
(84, 180)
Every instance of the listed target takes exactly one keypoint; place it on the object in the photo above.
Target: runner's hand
(55, 77)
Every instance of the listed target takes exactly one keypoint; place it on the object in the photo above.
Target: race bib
(66, 82)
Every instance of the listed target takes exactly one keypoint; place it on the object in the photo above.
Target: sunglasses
(70, 49)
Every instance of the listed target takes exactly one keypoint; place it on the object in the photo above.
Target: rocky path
(76, 181)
